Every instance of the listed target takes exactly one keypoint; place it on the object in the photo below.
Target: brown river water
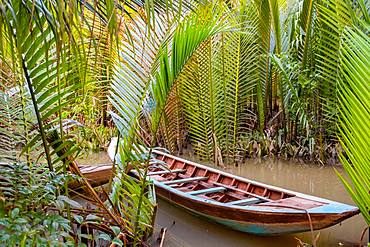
(184, 229)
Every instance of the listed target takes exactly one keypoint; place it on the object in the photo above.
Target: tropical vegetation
(228, 80)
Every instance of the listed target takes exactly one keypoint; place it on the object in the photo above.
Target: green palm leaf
(217, 88)
(333, 16)
(10, 127)
(197, 95)
(47, 66)
(145, 78)
(354, 115)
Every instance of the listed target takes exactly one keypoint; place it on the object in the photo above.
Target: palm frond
(264, 41)
(147, 74)
(307, 20)
(197, 94)
(173, 127)
(333, 16)
(217, 89)
(46, 66)
(10, 113)
(132, 74)
(354, 115)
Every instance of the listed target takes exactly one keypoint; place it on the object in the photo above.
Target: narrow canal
(184, 229)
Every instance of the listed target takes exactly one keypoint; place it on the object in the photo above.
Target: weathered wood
(166, 172)
(96, 175)
(247, 201)
(185, 180)
(250, 206)
(206, 191)
(243, 191)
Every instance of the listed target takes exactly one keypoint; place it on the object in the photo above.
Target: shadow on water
(185, 229)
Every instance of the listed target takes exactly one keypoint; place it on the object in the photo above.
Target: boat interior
(209, 184)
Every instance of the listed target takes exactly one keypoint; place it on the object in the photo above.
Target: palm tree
(219, 73)
(45, 68)
(172, 46)
(51, 59)
(349, 45)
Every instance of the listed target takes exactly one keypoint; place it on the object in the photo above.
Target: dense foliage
(24, 217)
(233, 78)
(268, 87)
(55, 69)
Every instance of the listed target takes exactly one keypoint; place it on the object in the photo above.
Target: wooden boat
(242, 204)
(97, 174)
(239, 203)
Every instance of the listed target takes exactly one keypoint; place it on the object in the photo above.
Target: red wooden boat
(239, 203)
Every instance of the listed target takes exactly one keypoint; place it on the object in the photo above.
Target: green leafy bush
(27, 213)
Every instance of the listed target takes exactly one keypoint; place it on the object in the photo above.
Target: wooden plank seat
(166, 172)
(243, 191)
(244, 202)
(185, 180)
(206, 191)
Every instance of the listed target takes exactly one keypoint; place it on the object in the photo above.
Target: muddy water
(187, 230)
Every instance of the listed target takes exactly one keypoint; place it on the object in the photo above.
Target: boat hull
(249, 221)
